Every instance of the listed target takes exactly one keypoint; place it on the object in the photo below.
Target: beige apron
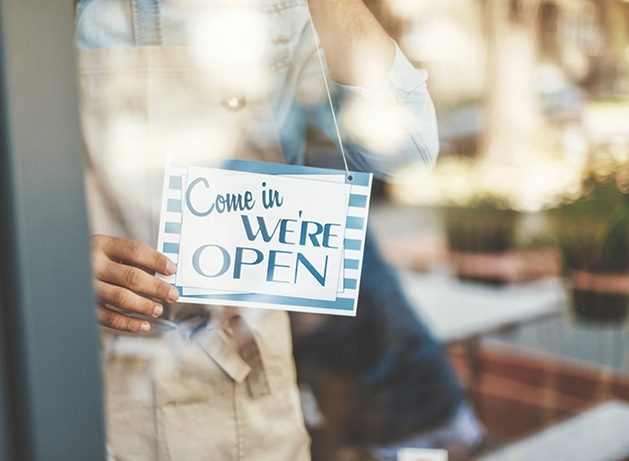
(193, 389)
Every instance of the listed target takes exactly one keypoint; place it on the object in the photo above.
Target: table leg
(472, 347)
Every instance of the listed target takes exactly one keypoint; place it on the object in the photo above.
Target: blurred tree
(513, 111)
(613, 76)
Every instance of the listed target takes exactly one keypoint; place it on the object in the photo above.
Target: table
(457, 310)
(599, 434)
(464, 312)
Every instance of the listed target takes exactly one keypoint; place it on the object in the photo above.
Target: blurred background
(515, 249)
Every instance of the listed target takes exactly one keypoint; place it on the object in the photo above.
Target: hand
(124, 277)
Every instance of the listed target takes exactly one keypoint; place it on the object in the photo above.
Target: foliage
(483, 228)
(592, 230)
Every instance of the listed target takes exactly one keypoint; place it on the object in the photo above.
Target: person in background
(202, 81)
(401, 390)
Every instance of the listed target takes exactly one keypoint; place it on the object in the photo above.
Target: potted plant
(592, 232)
(481, 204)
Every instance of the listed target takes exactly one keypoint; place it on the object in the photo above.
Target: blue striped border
(175, 183)
(354, 222)
(171, 248)
(352, 244)
(350, 284)
(341, 304)
(172, 228)
(173, 205)
(358, 200)
(351, 264)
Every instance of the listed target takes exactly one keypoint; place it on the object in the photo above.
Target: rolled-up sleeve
(387, 131)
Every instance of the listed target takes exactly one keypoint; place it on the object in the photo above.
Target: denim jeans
(404, 380)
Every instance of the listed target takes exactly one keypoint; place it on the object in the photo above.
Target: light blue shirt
(293, 66)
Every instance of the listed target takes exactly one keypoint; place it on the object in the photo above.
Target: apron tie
(245, 341)
(234, 348)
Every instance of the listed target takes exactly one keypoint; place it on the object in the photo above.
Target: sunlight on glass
(539, 184)
(232, 41)
(439, 40)
(230, 37)
(574, 143)
(378, 124)
(607, 121)
(195, 142)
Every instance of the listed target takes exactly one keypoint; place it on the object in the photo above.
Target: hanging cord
(327, 90)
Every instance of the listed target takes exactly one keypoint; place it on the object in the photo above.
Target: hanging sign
(265, 235)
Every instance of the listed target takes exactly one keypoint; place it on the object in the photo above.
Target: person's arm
(387, 117)
(124, 278)
(357, 49)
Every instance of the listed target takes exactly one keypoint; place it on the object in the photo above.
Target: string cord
(327, 90)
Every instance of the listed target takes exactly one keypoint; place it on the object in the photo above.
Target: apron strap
(147, 22)
(234, 348)
(249, 350)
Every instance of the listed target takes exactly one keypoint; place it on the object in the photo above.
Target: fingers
(124, 278)
(126, 299)
(133, 252)
(107, 251)
(136, 280)
(122, 322)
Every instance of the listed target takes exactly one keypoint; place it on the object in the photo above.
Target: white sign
(265, 235)
(259, 233)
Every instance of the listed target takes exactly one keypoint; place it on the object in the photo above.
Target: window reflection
(495, 289)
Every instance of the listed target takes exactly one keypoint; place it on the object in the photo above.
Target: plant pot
(597, 306)
(600, 297)
(477, 238)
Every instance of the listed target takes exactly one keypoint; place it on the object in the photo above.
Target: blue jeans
(404, 381)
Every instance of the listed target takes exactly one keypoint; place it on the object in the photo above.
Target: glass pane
(493, 290)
